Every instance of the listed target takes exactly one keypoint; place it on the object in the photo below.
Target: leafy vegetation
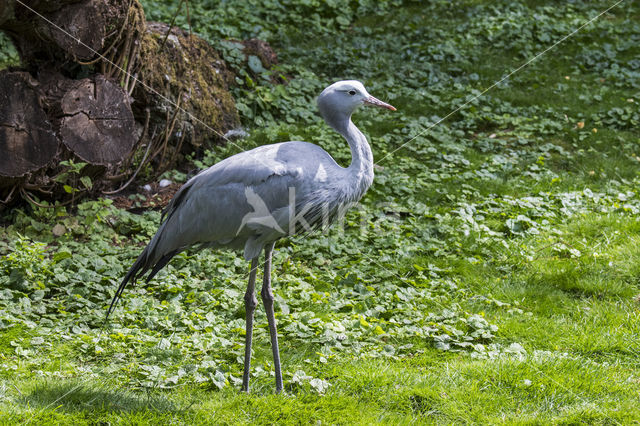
(8, 53)
(489, 275)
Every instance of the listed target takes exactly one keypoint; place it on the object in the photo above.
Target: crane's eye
(352, 92)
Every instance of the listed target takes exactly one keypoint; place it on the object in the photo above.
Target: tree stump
(48, 31)
(27, 141)
(97, 123)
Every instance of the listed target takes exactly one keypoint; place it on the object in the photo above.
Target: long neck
(361, 156)
(361, 167)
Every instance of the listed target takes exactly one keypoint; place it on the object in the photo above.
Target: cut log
(27, 141)
(86, 21)
(54, 35)
(97, 123)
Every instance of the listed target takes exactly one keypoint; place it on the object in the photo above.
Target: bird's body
(252, 199)
(248, 197)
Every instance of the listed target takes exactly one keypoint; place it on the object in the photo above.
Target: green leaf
(86, 181)
(60, 255)
(343, 21)
(62, 177)
(255, 64)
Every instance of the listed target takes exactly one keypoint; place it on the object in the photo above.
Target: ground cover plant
(489, 275)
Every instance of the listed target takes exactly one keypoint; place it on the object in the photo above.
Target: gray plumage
(252, 199)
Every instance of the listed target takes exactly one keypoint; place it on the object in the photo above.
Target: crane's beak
(377, 102)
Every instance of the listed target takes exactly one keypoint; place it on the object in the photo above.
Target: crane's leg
(250, 303)
(267, 299)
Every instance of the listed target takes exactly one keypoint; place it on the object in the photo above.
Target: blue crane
(252, 199)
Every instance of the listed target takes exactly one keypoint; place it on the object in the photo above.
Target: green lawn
(490, 275)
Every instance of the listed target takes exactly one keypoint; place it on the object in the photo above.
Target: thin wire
(501, 80)
(128, 74)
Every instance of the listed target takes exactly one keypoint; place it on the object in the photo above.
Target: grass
(541, 388)
(489, 276)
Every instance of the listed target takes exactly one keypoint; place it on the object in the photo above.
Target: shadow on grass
(85, 396)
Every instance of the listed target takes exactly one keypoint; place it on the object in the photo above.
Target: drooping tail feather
(139, 268)
(148, 259)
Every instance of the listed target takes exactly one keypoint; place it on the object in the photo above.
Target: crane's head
(345, 96)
